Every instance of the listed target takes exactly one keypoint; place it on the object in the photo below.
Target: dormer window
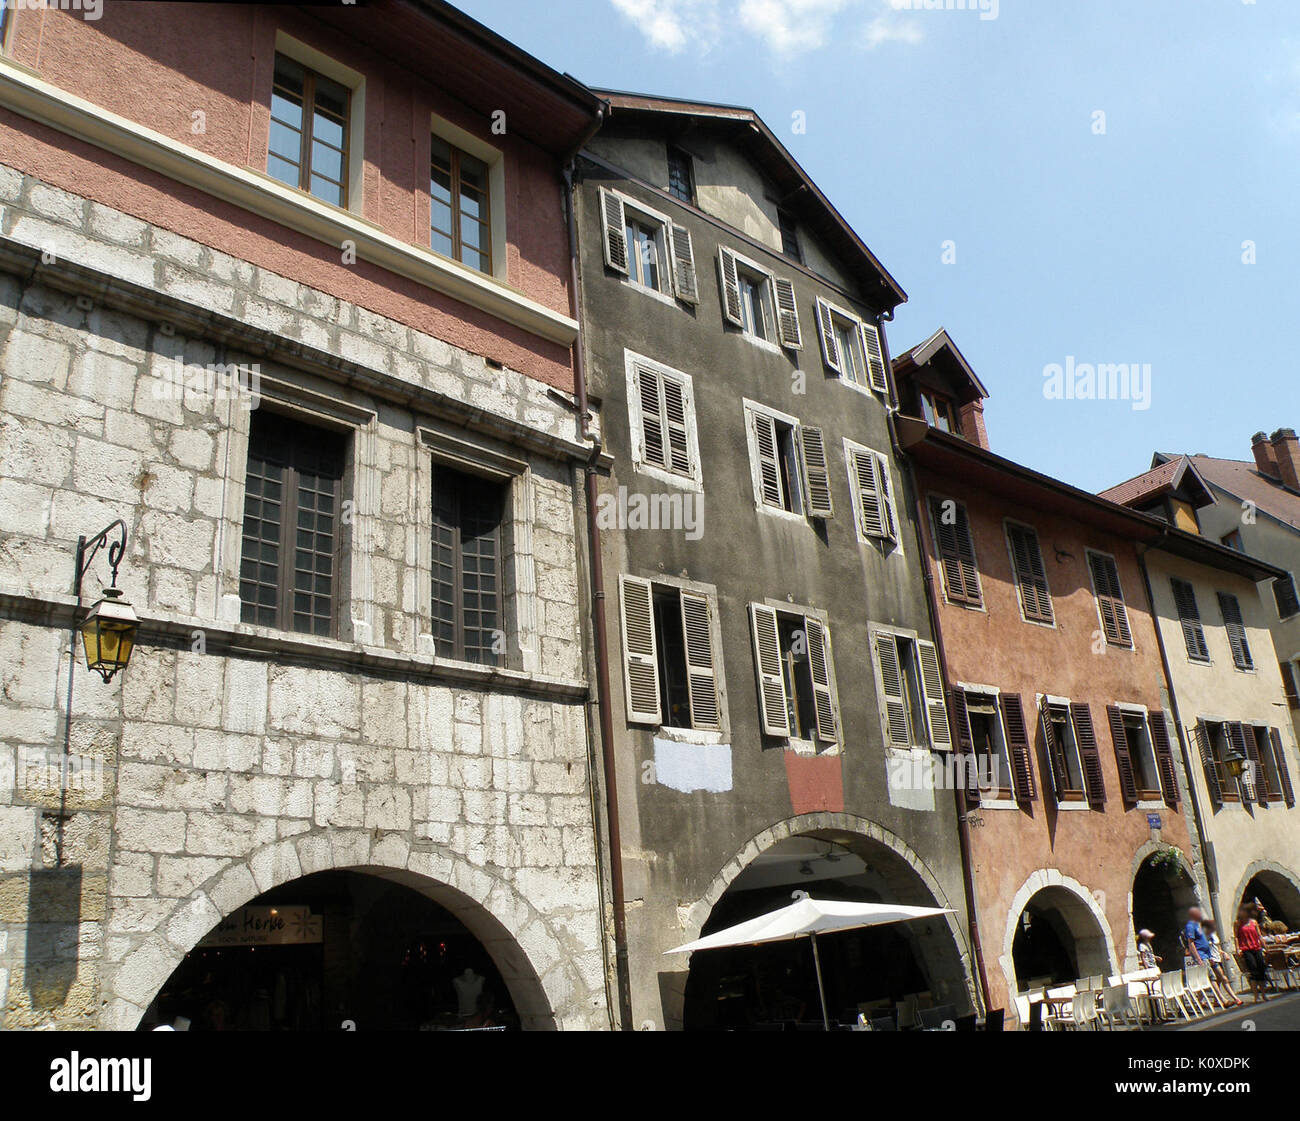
(939, 411)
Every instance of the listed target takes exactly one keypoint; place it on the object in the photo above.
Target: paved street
(1280, 1013)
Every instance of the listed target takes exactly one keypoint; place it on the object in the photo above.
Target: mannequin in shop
(468, 986)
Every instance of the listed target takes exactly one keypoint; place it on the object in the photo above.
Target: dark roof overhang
(941, 354)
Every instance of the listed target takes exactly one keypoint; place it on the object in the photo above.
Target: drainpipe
(618, 905)
(959, 794)
(1211, 869)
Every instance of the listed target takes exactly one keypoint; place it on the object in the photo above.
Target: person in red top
(1251, 947)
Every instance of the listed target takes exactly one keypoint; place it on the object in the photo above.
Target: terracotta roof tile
(1243, 479)
(1151, 483)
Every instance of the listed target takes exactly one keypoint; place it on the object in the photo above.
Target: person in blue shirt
(1200, 951)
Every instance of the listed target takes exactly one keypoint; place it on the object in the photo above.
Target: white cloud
(784, 27)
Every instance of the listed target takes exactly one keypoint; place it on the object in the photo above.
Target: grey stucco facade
(700, 804)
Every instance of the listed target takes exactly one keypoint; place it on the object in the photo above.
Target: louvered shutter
(615, 228)
(1189, 617)
(1055, 751)
(871, 513)
(1110, 600)
(816, 474)
(1283, 771)
(729, 281)
(1089, 754)
(936, 707)
(679, 447)
(891, 687)
(654, 448)
(1123, 756)
(1289, 686)
(1206, 751)
(1232, 621)
(959, 719)
(1237, 737)
(701, 674)
(1258, 749)
(818, 663)
(956, 554)
(826, 332)
(684, 276)
(767, 662)
(1018, 749)
(875, 352)
(1284, 595)
(640, 660)
(1164, 757)
(1030, 573)
(885, 489)
(770, 488)
(787, 314)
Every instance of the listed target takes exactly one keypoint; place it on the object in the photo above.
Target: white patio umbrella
(807, 918)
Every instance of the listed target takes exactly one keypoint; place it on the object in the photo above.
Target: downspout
(959, 794)
(1211, 870)
(600, 628)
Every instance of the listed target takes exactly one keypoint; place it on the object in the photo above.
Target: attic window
(681, 175)
(940, 412)
(789, 235)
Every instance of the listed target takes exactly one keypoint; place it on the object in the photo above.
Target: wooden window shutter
(886, 491)
(615, 224)
(826, 332)
(874, 350)
(891, 687)
(956, 553)
(1284, 593)
(729, 281)
(872, 514)
(1189, 616)
(1164, 757)
(818, 664)
(1237, 737)
(767, 663)
(1257, 750)
(684, 275)
(769, 467)
(935, 706)
(960, 722)
(701, 674)
(787, 314)
(1089, 755)
(654, 448)
(1283, 771)
(1018, 749)
(1123, 756)
(1289, 686)
(1206, 751)
(816, 474)
(1031, 576)
(1231, 611)
(679, 446)
(640, 657)
(1110, 600)
(1054, 750)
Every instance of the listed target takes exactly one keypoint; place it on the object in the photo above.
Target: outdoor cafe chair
(1117, 1008)
(883, 1023)
(1175, 994)
(1083, 1011)
(1201, 988)
(934, 1019)
(1279, 965)
(907, 1012)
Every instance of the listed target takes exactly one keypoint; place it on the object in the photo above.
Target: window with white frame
(670, 669)
(988, 739)
(760, 304)
(851, 347)
(909, 686)
(792, 659)
(875, 512)
(661, 404)
(647, 247)
(788, 464)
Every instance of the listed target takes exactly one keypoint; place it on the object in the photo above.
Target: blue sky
(1076, 239)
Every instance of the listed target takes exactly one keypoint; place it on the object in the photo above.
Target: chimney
(1263, 455)
(1286, 450)
(971, 421)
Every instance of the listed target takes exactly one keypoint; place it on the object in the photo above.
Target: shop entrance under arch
(1277, 894)
(336, 950)
(1057, 940)
(1162, 893)
(762, 986)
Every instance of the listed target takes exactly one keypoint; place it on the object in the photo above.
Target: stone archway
(902, 877)
(1158, 899)
(1279, 881)
(1081, 920)
(538, 974)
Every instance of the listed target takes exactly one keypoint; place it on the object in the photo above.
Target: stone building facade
(168, 312)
